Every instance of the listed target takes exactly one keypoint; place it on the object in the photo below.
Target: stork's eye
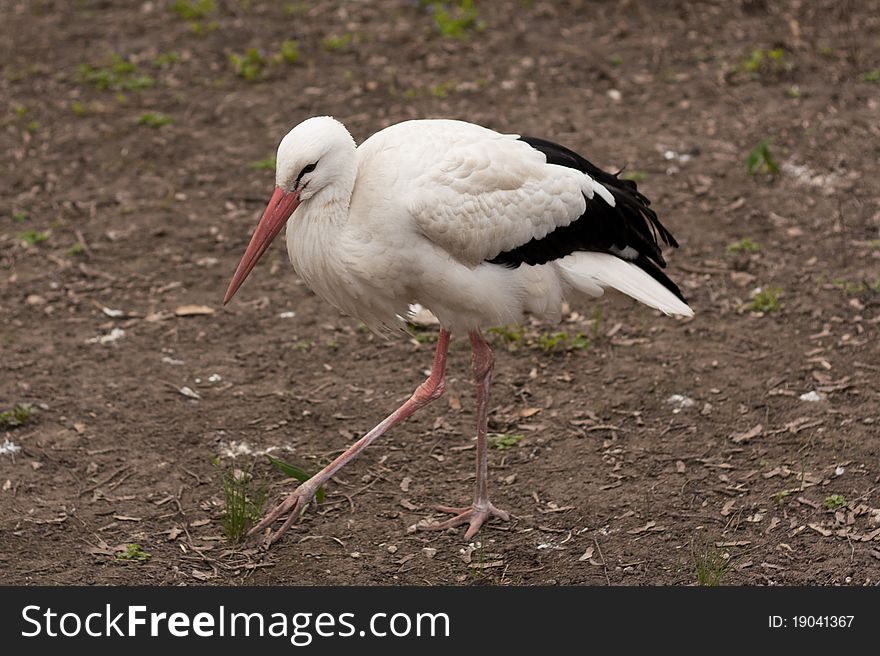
(306, 169)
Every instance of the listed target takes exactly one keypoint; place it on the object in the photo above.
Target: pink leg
(296, 503)
(482, 509)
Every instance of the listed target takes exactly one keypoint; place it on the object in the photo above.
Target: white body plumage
(414, 214)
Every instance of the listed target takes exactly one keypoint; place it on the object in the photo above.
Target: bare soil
(613, 481)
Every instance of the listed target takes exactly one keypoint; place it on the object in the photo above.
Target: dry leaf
(748, 435)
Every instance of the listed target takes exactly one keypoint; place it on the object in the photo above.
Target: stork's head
(315, 161)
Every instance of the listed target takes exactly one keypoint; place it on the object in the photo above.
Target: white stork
(477, 226)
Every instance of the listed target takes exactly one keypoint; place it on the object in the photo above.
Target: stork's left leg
(482, 509)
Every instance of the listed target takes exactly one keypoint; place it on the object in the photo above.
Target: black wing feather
(602, 228)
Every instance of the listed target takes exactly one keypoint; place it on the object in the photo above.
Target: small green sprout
(166, 59)
(17, 416)
(793, 92)
(334, 42)
(872, 76)
(510, 334)
(292, 471)
(78, 108)
(711, 565)
(615, 60)
(290, 51)
(745, 245)
(503, 441)
(760, 160)
(251, 65)
(119, 74)
(267, 164)
(134, 552)
(154, 120)
(19, 217)
(33, 237)
(780, 497)
(193, 10)
(77, 249)
(21, 111)
(304, 345)
(834, 501)
(443, 89)
(243, 506)
(766, 300)
(549, 341)
(456, 19)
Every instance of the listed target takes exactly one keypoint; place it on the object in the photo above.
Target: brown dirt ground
(610, 483)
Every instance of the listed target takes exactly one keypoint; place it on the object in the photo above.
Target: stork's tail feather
(592, 273)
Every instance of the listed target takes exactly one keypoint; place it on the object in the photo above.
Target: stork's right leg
(296, 503)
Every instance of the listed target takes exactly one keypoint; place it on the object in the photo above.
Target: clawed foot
(469, 515)
(295, 504)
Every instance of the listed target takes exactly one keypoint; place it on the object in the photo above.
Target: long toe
(473, 517)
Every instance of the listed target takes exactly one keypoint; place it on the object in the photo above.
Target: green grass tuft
(834, 501)
(134, 552)
(243, 506)
(710, 566)
(455, 19)
(193, 10)
(154, 120)
(33, 237)
(503, 441)
(745, 245)
(335, 42)
(760, 159)
(118, 74)
(872, 76)
(17, 416)
(251, 65)
(766, 300)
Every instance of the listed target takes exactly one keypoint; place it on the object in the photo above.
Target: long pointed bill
(281, 206)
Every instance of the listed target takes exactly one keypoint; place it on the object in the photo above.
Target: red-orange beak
(281, 206)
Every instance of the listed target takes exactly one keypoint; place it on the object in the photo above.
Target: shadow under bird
(477, 226)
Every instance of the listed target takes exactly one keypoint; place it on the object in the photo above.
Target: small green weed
(77, 249)
(503, 441)
(548, 342)
(745, 245)
(154, 120)
(78, 108)
(17, 416)
(33, 237)
(243, 506)
(118, 74)
(760, 159)
(289, 51)
(455, 19)
(19, 217)
(834, 501)
(191, 10)
(710, 565)
(766, 300)
(511, 335)
(166, 59)
(251, 65)
(134, 552)
(872, 76)
(335, 42)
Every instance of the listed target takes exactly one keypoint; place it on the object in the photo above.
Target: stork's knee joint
(431, 390)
